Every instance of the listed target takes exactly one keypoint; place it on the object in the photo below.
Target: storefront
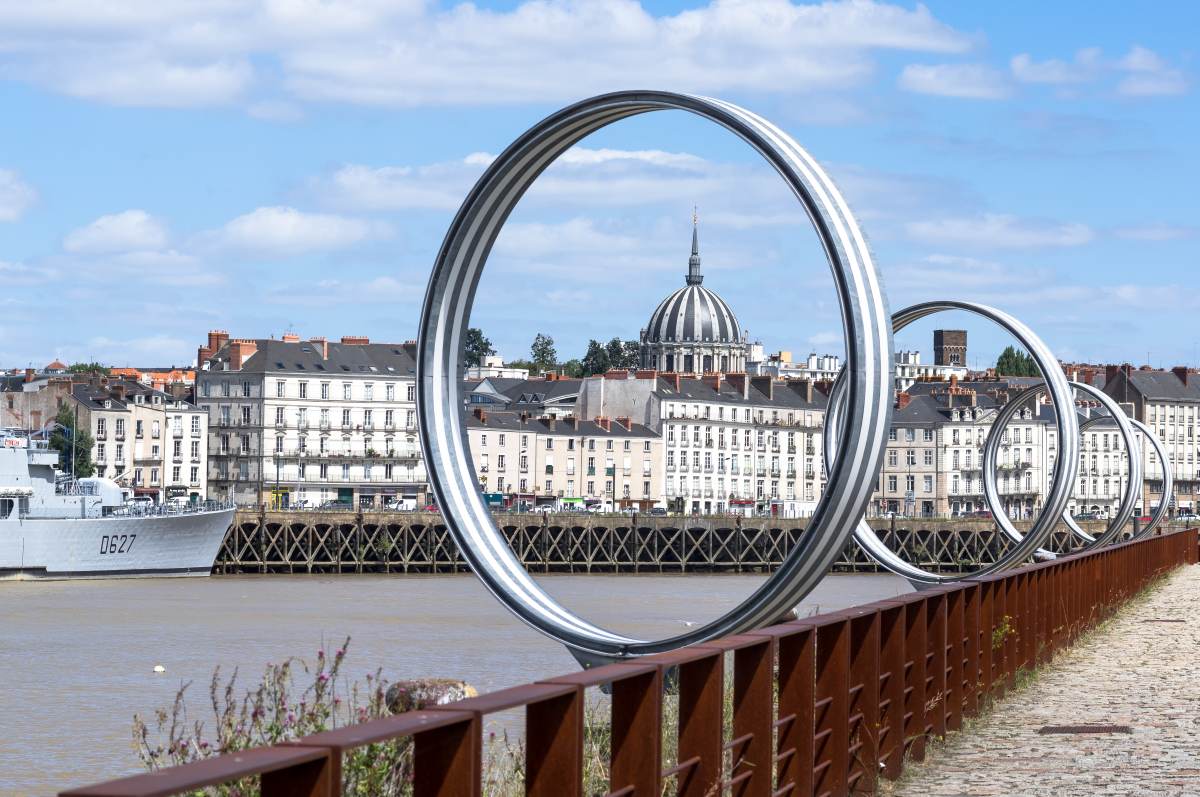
(147, 492)
(741, 506)
(366, 498)
(281, 497)
(493, 499)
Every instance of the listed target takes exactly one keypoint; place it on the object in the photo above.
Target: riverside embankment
(1140, 669)
(395, 542)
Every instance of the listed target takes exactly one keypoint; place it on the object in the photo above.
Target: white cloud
(133, 230)
(16, 196)
(1153, 297)
(1147, 73)
(997, 231)
(972, 81)
(22, 274)
(1089, 65)
(1156, 231)
(151, 349)
(276, 232)
(407, 52)
(330, 292)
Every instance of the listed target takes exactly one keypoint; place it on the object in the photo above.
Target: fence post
(891, 689)
(935, 663)
(797, 659)
(637, 734)
(554, 746)
(831, 740)
(863, 707)
(701, 705)
(753, 710)
(447, 760)
(914, 679)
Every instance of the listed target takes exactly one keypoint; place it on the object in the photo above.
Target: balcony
(325, 425)
(810, 450)
(302, 425)
(347, 427)
(195, 432)
(177, 457)
(626, 471)
(155, 434)
(762, 471)
(101, 434)
(177, 433)
(549, 470)
(389, 426)
(369, 426)
(775, 473)
(645, 474)
(592, 471)
(791, 449)
(808, 474)
(791, 473)
(195, 458)
(120, 435)
(610, 471)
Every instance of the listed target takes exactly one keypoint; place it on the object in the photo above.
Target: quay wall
(393, 542)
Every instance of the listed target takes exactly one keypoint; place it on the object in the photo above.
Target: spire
(694, 277)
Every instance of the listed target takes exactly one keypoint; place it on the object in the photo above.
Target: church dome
(693, 314)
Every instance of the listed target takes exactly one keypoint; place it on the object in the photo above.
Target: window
(245, 390)
(549, 443)
(910, 483)
(524, 441)
(927, 435)
(225, 389)
(195, 424)
(892, 457)
(100, 426)
(549, 486)
(279, 421)
(928, 457)
(368, 392)
(345, 391)
(929, 484)
(324, 390)
(206, 389)
(483, 440)
(279, 389)
(412, 396)
(892, 434)
(304, 390)
(891, 484)
(910, 435)
(910, 457)
(391, 393)
(646, 446)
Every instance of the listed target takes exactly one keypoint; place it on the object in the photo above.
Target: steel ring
(445, 316)
(1057, 496)
(1129, 501)
(1168, 480)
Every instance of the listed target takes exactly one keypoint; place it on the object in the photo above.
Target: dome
(693, 314)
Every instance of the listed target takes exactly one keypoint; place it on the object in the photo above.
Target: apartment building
(732, 442)
(564, 462)
(312, 421)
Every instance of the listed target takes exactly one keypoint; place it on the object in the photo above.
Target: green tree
(573, 369)
(532, 368)
(633, 354)
(1031, 368)
(1015, 362)
(88, 368)
(61, 442)
(477, 347)
(542, 352)
(596, 361)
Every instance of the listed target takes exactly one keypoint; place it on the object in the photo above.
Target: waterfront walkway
(1130, 672)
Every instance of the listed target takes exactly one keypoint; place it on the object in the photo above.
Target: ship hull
(178, 545)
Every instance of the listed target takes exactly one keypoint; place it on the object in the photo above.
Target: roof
(781, 395)
(56, 364)
(1165, 386)
(304, 357)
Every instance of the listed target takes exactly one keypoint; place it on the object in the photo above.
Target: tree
(573, 369)
(633, 353)
(532, 368)
(596, 361)
(88, 368)
(477, 347)
(1013, 362)
(60, 441)
(542, 352)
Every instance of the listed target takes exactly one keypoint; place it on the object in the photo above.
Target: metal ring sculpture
(1129, 501)
(1168, 479)
(1066, 422)
(446, 313)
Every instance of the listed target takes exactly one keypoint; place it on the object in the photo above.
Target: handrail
(913, 666)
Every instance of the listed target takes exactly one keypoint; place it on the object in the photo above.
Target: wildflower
(291, 716)
(341, 652)
(368, 676)
(320, 654)
(337, 700)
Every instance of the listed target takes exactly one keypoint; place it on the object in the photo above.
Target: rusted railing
(821, 706)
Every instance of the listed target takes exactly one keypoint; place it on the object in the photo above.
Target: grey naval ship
(56, 527)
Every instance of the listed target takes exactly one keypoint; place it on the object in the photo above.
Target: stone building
(732, 442)
(566, 462)
(312, 421)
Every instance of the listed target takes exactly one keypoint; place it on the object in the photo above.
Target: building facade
(310, 422)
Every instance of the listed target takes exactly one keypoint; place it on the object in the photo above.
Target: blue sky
(167, 168)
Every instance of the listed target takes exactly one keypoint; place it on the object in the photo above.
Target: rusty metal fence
(821, 707)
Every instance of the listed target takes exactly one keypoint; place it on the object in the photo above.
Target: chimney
(1110, 373)
(481, 415)
(953, 381)
(763, 384)
(802, 387)
(1089, 374)
(740, 383)
(616, 373)
(239, 352)
(572, 422)
(902, 400)
(602, 422)
(410, 348)
(290, 338)
(672, 379)
(216, 339)
(179, 389)
(324, 347)
(549, 422)
(117, 392)
(28, 374)
(713, 381)
(351, 340)
(553, 377)
(824, 386)
(1181, 372)
(623, 421)
(645, 375)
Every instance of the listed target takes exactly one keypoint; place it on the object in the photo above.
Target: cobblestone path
(1137, 673)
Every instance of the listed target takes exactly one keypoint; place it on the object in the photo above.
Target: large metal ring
(1168, 480)
(445, 317)
(1132, 493)
(1068, 429)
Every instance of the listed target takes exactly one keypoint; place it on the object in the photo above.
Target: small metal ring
(1168, 480)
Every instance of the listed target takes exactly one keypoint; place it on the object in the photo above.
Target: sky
(168, 167)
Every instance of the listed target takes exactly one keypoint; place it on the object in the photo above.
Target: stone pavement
(1145, 675)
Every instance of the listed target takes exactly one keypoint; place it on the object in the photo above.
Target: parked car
(657, 511)
(1186, 519)
(1089, 516)
(340, 503)
(981, 513)
(431, 508)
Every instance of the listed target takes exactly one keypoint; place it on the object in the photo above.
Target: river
(78, 656)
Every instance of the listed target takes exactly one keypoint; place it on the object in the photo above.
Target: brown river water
(77, 657)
